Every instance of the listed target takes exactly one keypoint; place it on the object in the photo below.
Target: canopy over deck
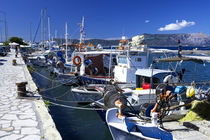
(197, 59)
(151, 72)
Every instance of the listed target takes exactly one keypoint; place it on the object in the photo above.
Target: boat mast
(49, 35)
(30, 33)
(82, 32)
(66, 36)
(45, 25)
(42, 27)
(55, 34)
(1, 35)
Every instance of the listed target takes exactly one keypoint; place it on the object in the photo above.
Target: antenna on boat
(66, 37)
(82, 32)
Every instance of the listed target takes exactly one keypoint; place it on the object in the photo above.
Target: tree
(16, 40)
(6, 43)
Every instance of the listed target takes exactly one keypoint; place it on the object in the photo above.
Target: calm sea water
(87, 125)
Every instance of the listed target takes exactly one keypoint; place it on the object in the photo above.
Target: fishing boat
(147, 81)
(94, 92)
(171, 104)
(131, 128)
(87, 94)
(145, 91)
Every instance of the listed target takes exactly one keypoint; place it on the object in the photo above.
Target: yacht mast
(66, 36)
(42, 27)
(49, 35)
(55, 34)
(45, 25)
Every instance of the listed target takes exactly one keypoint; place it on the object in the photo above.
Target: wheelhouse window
(141, 81)
(122, 60)
(138, 59)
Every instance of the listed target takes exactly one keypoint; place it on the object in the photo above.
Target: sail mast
(49, 29)
(66, 36)
(42, 27)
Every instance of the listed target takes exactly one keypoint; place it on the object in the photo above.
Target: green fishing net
(200, 110)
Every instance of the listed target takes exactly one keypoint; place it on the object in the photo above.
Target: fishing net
(199, 111)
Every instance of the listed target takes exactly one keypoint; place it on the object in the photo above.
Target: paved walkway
(19, 118)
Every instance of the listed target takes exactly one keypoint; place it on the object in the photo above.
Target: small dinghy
(87, 94)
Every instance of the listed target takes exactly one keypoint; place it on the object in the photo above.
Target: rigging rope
(46, 77)
(75, 107)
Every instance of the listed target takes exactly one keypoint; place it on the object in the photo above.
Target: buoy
(190, 92)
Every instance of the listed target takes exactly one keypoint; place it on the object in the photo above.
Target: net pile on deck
(199, 111)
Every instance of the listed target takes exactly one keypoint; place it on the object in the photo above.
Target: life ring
(82, 45)
(74, 60)
(123, 41)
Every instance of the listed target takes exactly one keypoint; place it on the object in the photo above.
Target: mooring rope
(75, 107)
(65, 93)
(46, 77)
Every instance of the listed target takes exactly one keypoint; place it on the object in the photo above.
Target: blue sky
(108, 18)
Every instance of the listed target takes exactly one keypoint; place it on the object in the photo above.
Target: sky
(106, 19)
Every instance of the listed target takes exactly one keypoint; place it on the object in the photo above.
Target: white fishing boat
(170, 105)
(94, 92)
(132, 128)
(144, 92)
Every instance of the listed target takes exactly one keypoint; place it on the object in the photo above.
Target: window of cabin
(138, 59)
(140, 80)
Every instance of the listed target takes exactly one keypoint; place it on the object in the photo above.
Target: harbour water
(71, 123)
(86, 124)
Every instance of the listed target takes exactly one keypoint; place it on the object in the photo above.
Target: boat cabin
(127, 65)
(145, 88)
(144, 77)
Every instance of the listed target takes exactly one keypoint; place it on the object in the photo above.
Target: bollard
(14, 62)
(21, 88)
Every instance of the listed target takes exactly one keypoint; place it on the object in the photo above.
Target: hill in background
(191, 39)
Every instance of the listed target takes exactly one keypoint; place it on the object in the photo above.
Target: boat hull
(83, 96)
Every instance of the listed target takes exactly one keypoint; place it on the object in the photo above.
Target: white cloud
(147, 21)
(177, 26)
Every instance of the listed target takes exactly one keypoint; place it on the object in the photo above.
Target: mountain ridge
(187, 39)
